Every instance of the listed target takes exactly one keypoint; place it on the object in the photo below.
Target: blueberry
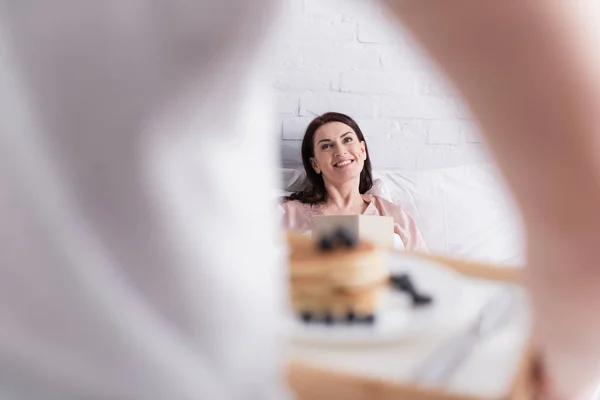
(366, 319)
(403, 282)
(329, 320)
(306, 316)
(421, 299)
(345, 237)
(350, 317)
(325, 243)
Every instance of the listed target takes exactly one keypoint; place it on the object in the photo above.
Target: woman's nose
(340, 151)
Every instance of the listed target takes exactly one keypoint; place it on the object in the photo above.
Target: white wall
(343, 55)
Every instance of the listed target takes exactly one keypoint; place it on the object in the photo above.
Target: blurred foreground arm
(527, 75)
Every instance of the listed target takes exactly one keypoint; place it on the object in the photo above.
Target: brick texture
(348, 56)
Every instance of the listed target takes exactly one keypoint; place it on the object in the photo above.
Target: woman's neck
(344, 198)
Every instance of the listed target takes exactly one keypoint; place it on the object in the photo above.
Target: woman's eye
(325, 146)
(348, 139)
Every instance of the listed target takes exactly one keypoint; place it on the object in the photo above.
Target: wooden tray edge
(311, 382)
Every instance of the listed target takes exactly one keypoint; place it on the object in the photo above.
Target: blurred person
(131, 137)
(530, 73)
(338, 173)
(134, 140)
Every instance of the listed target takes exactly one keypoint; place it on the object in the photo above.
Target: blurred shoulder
(297, 215)
(380, 201)
(388, 208)
(293, 206)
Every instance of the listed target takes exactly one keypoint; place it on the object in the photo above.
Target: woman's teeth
(342, 163)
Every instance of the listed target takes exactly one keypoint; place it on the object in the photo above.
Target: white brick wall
(344, 55)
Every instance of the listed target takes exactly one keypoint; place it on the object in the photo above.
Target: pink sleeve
(404, 225)
(296, 216)
(406, 228)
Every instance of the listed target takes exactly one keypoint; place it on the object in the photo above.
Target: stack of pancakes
(335, 284)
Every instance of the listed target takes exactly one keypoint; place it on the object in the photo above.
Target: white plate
(398, 320)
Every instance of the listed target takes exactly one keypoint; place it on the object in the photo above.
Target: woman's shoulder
(297, 215)
(298, 208)
(383, 201)
(294, 205)
(387, 207)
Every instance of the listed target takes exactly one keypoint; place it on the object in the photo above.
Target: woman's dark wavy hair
(314, 188)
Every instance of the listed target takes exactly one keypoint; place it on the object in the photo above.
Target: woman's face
(339, 155)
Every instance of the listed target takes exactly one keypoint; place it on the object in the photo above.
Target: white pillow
(461, 211)
(293, 179)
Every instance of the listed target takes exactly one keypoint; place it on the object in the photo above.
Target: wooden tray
(314, 383)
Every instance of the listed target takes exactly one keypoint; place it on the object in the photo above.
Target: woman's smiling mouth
(342, 164)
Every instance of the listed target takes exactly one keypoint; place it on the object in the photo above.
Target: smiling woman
(338, 176)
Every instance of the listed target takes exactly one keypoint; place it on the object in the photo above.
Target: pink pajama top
(298, 216)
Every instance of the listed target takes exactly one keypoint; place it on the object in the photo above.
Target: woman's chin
(345, 174)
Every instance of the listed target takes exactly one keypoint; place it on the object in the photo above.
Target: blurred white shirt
(137, 232)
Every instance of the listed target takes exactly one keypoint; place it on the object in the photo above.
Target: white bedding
(461, 211)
